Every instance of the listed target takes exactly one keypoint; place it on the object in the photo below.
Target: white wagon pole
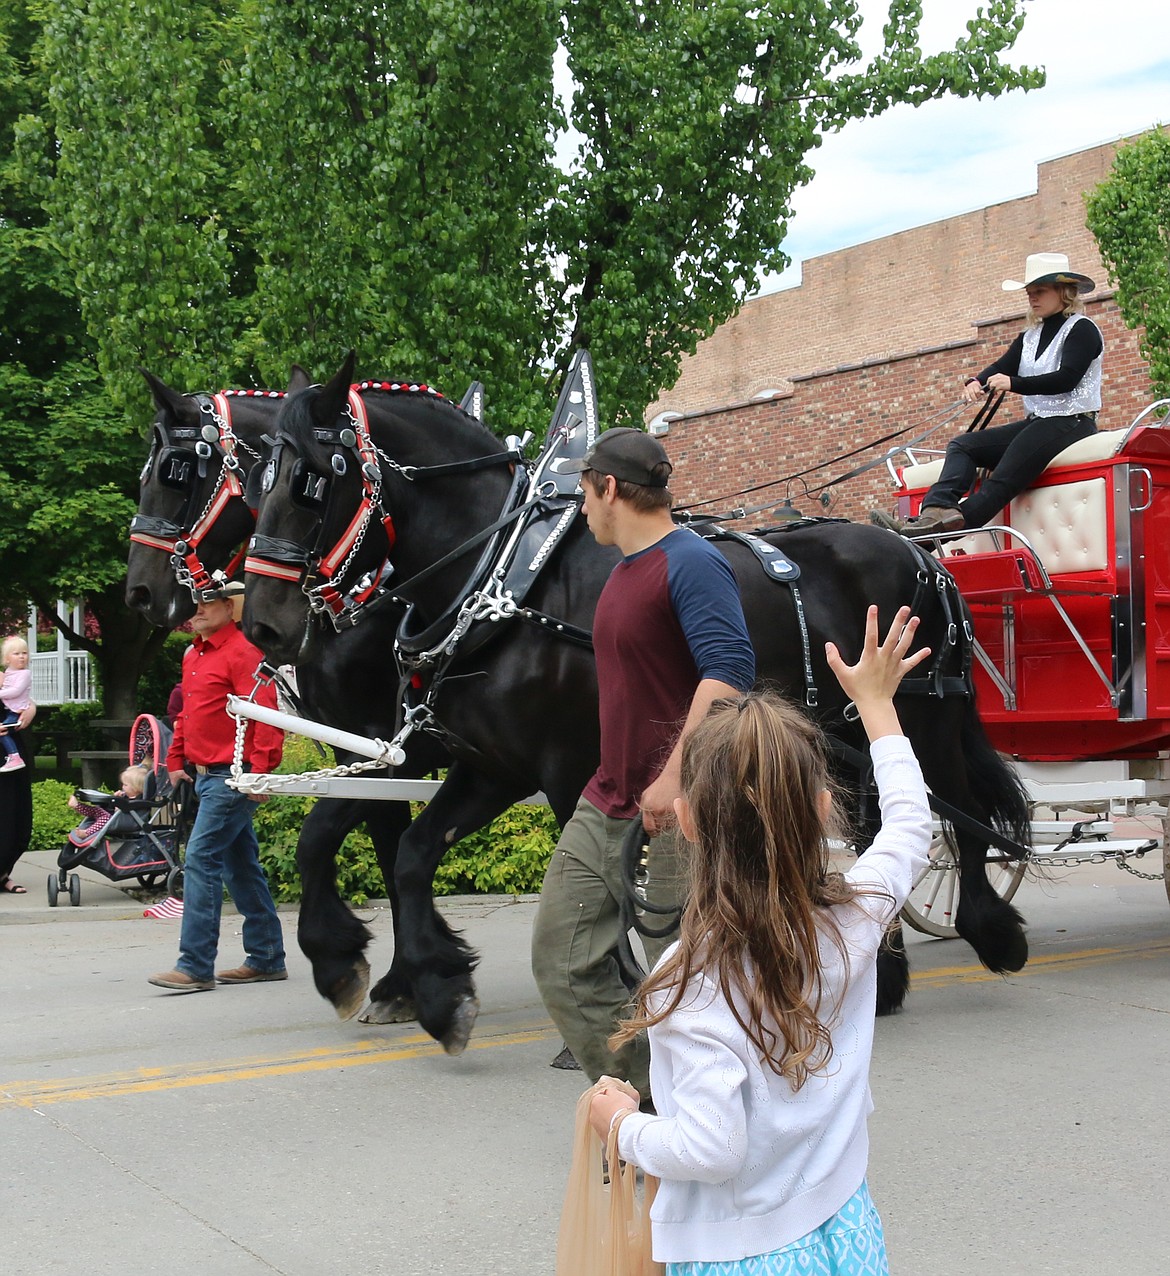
(339, 781)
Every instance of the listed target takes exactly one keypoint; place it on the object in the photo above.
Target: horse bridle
(320, 569)
(184, 468)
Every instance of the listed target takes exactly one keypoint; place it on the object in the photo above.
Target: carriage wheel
(934, 900)
(54, 890)
(74, 889)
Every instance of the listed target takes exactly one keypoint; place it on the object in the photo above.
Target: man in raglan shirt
(670, 638)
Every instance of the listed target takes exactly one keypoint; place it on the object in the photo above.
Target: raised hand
(872, 681)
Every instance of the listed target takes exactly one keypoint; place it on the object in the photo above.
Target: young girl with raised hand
(761, 1017)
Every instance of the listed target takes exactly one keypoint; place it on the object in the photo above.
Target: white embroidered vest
(1085, 396)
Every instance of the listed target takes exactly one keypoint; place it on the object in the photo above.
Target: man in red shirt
(222, 849)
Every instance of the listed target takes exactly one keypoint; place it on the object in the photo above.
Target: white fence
(61, 677)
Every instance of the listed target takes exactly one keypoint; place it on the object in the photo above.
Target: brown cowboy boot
(933, 520)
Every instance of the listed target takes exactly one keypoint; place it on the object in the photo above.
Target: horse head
(192, 514)
(364, 487)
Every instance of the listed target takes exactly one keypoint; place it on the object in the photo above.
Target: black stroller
(130, 838)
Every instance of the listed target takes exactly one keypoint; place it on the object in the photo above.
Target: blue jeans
(8, 740)
(222, 850)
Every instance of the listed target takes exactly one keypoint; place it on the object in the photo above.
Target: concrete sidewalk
(101, 899)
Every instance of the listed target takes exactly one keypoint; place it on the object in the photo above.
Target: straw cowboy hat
(1049, 268)
(229, 591)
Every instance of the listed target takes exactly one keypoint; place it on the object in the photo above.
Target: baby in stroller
(97, 809)
(134, 833)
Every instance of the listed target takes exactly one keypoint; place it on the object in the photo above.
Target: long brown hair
(753, 772)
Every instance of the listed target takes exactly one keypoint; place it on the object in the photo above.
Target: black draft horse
(519, 710)
(187, 499)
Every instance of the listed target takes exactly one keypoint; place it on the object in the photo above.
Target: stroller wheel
(53, 890)
(74, 889)
(175, 883)
(148, 880)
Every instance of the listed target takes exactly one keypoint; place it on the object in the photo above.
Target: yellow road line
(944, 976)
(359, 1054)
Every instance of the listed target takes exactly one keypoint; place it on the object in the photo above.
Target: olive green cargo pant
(575, 940)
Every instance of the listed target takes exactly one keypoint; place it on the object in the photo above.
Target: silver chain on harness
(279, 783)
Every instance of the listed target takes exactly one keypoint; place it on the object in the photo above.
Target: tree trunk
(129, 643)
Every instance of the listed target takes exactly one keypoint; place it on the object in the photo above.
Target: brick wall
(824, 415)
(920, 288)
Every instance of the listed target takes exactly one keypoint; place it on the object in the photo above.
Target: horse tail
(991, 925)
(994, 785)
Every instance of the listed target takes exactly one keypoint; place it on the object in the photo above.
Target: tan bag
(605, 1227)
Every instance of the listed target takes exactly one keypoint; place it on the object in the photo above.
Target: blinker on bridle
(313, 490)
(181, 458)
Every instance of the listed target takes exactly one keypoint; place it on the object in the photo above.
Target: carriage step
(1058, 830)
(1089, 851)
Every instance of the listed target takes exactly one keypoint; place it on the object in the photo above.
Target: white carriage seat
(1066, 523)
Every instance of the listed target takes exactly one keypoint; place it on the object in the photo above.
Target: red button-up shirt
(215, 667)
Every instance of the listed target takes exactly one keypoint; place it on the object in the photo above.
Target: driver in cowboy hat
(1054, 365)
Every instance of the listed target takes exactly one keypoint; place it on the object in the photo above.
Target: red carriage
(1070, 598)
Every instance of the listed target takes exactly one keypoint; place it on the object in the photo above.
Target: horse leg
(391, 998)
(438, 960)
(329, 934)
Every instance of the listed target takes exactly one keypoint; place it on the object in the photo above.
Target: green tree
(397, 167)
(69, 458)
(1129, 214)
(382, 153)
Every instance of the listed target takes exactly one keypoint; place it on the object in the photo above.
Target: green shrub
(52, 818)
(508, 857)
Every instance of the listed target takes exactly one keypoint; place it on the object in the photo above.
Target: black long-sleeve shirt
(1082, 345)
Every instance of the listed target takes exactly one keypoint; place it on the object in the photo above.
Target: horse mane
(389, 385)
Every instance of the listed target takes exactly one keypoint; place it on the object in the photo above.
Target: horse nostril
(138, 597)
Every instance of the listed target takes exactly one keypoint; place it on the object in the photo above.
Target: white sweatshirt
(747, 1163)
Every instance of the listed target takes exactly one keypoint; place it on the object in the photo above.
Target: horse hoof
(392, 1010)
(352, 995)
(457, 1036)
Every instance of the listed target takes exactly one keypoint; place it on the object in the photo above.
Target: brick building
(878, 337)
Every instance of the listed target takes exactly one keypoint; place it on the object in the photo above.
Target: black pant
(1016, 454)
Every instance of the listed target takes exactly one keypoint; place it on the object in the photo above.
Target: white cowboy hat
(1049, 268)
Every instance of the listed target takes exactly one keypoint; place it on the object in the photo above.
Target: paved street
(1020, 1123)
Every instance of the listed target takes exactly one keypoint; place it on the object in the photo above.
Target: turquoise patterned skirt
(848, 1244)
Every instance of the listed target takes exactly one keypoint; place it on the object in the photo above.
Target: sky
(1108, 66)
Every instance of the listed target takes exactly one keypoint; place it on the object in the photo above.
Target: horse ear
(298, 379)
(326, 407)
(166, 399)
